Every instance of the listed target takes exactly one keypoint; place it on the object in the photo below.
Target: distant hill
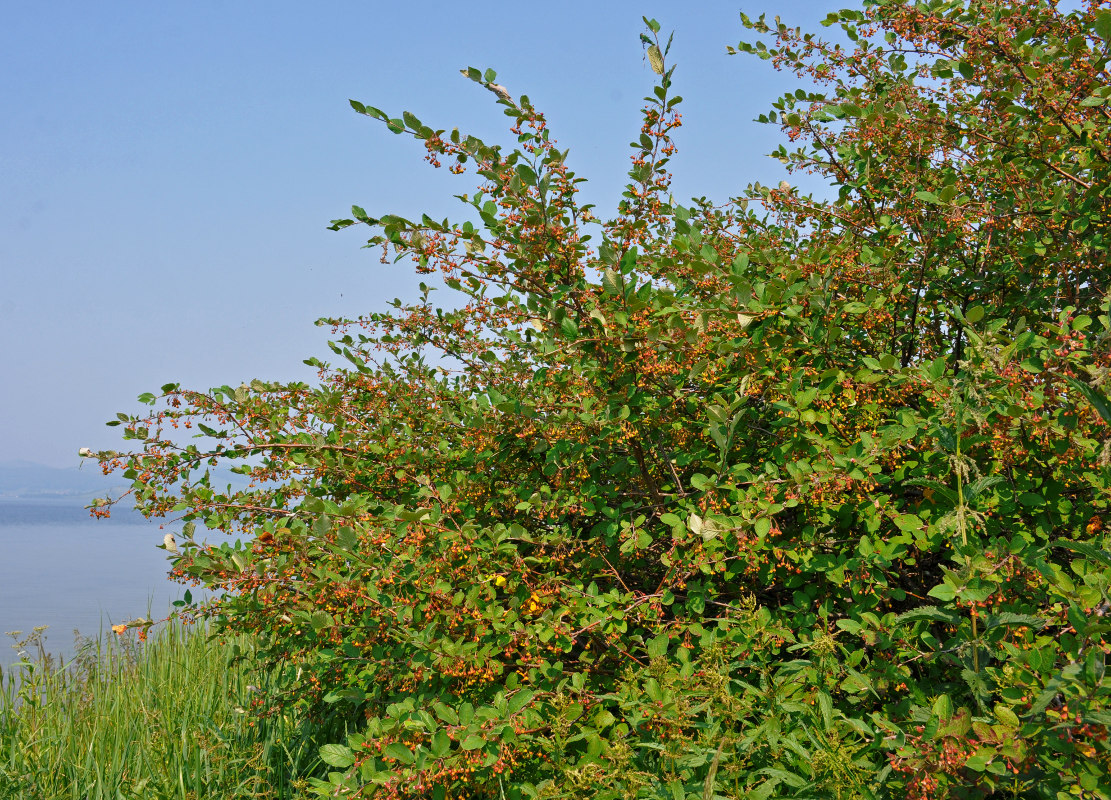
(27, 479)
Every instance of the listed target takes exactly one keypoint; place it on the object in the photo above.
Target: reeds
(168, 718)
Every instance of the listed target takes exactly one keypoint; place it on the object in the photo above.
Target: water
(62, 568)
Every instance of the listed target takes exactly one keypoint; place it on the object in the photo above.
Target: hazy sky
(168, 171)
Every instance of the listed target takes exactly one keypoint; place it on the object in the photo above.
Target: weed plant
(170, 717)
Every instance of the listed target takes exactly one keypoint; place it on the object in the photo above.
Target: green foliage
(175, 717)
(782, 498)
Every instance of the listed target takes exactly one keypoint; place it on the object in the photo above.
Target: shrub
(782, 497)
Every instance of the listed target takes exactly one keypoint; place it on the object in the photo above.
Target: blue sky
(168, 171)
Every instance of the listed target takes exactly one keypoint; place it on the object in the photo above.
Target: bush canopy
(779, 497)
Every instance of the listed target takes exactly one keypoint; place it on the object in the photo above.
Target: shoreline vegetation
(783, 497)
(171, 717)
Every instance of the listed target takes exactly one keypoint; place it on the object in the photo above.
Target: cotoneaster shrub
(782, 497)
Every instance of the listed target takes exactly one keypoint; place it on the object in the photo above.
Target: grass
(162, 719)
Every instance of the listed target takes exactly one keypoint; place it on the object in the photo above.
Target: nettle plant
(781, 497)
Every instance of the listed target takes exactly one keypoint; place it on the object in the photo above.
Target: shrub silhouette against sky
(776, 496)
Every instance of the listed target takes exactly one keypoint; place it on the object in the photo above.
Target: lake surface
(62, 568)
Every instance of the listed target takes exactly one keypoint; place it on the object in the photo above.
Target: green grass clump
(167, 718)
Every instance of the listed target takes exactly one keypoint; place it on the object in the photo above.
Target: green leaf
(709, 254)
(978, 762)
(473, 742)
(1098, 717)
(399, 751)
(1005, 715)
(908, 522)
(1094, 553)
(943, 592)
(345, 539)
(943, 707)
(1095, 397)
(789, 778)
(657, 646)
(825, 705)
(928, 197)
(611, 283)
(524, 171)
(337, 755)
(446, 713)
(762, 792)
(937, 368)
(440, 745)
(928, 613)
(1102, 25)
(1007, 619)
(656, 60)
(977, 487)
(520, 700)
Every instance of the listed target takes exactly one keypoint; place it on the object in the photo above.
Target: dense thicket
(781, 497)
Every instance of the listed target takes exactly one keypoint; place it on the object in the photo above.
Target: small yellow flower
(533, 604)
